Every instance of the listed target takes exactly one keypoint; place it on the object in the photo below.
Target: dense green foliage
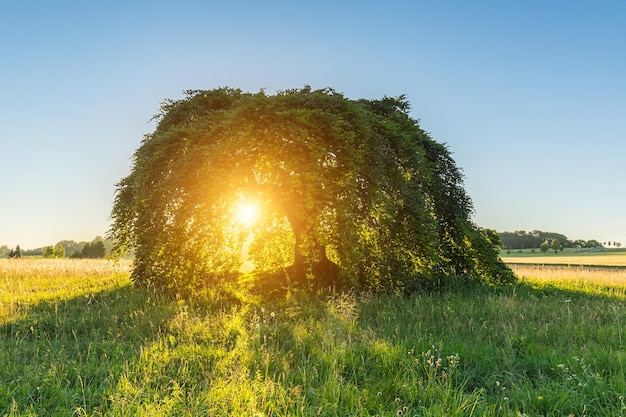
(96, 346)
(353, 193)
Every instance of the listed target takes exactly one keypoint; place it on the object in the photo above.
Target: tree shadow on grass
(521, 347)
(519, 344)
(66, 355)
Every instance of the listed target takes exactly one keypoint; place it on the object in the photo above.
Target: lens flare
(247, 213)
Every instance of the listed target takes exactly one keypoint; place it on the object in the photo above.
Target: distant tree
(71, 246)
(528, 240)
(593, 244)
(544, 247)
(618, 244)
(520, 240)
(4, 251)
(48, 252)
(94, 249)
(556, 245)
(16, 253)
(56, 251)
(32, 252)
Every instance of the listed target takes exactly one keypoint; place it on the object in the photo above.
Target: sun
(247, 212)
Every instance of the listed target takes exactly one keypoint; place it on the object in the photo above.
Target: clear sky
(529, 96)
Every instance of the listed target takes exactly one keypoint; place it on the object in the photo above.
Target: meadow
(76, 338)
(607, 257)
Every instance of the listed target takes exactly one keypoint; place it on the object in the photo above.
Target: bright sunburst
(247, 212)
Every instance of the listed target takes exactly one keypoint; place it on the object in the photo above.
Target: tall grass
(68, 329)
(26, 282)
(552, 345)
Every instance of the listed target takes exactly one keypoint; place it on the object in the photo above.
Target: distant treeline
(533, 240)
(97, 248)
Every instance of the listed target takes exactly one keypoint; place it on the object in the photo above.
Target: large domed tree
(332, 190)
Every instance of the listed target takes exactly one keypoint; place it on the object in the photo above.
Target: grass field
(611, 257)
(78, 339)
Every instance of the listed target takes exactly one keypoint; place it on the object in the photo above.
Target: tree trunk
(310, 256)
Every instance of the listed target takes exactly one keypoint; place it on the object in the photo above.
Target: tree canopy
(347, 192)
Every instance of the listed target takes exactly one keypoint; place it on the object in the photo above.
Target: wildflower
(398, 400)
(379, 394)
(262, 309)
(399, 412)
(453, 361)
(272, 314)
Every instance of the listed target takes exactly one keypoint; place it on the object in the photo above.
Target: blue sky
(529, 96)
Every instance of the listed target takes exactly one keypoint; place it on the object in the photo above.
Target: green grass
(554, 345)
(606, 257)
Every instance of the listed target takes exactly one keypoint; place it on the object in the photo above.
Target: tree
(48, 252)
(93, 249)
(362, 195)
(527, 240)
(16, 253)
(56, 251)
(544, 247)
(593, 244)
(556, 245)
(71, 246)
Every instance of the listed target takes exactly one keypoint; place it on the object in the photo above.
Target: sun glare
(247, 213)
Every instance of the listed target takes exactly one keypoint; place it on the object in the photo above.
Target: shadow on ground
(66, 355)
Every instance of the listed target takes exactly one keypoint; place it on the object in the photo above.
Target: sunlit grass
(26, 282)
(600, 281)
(87, 343)
(68, 328)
